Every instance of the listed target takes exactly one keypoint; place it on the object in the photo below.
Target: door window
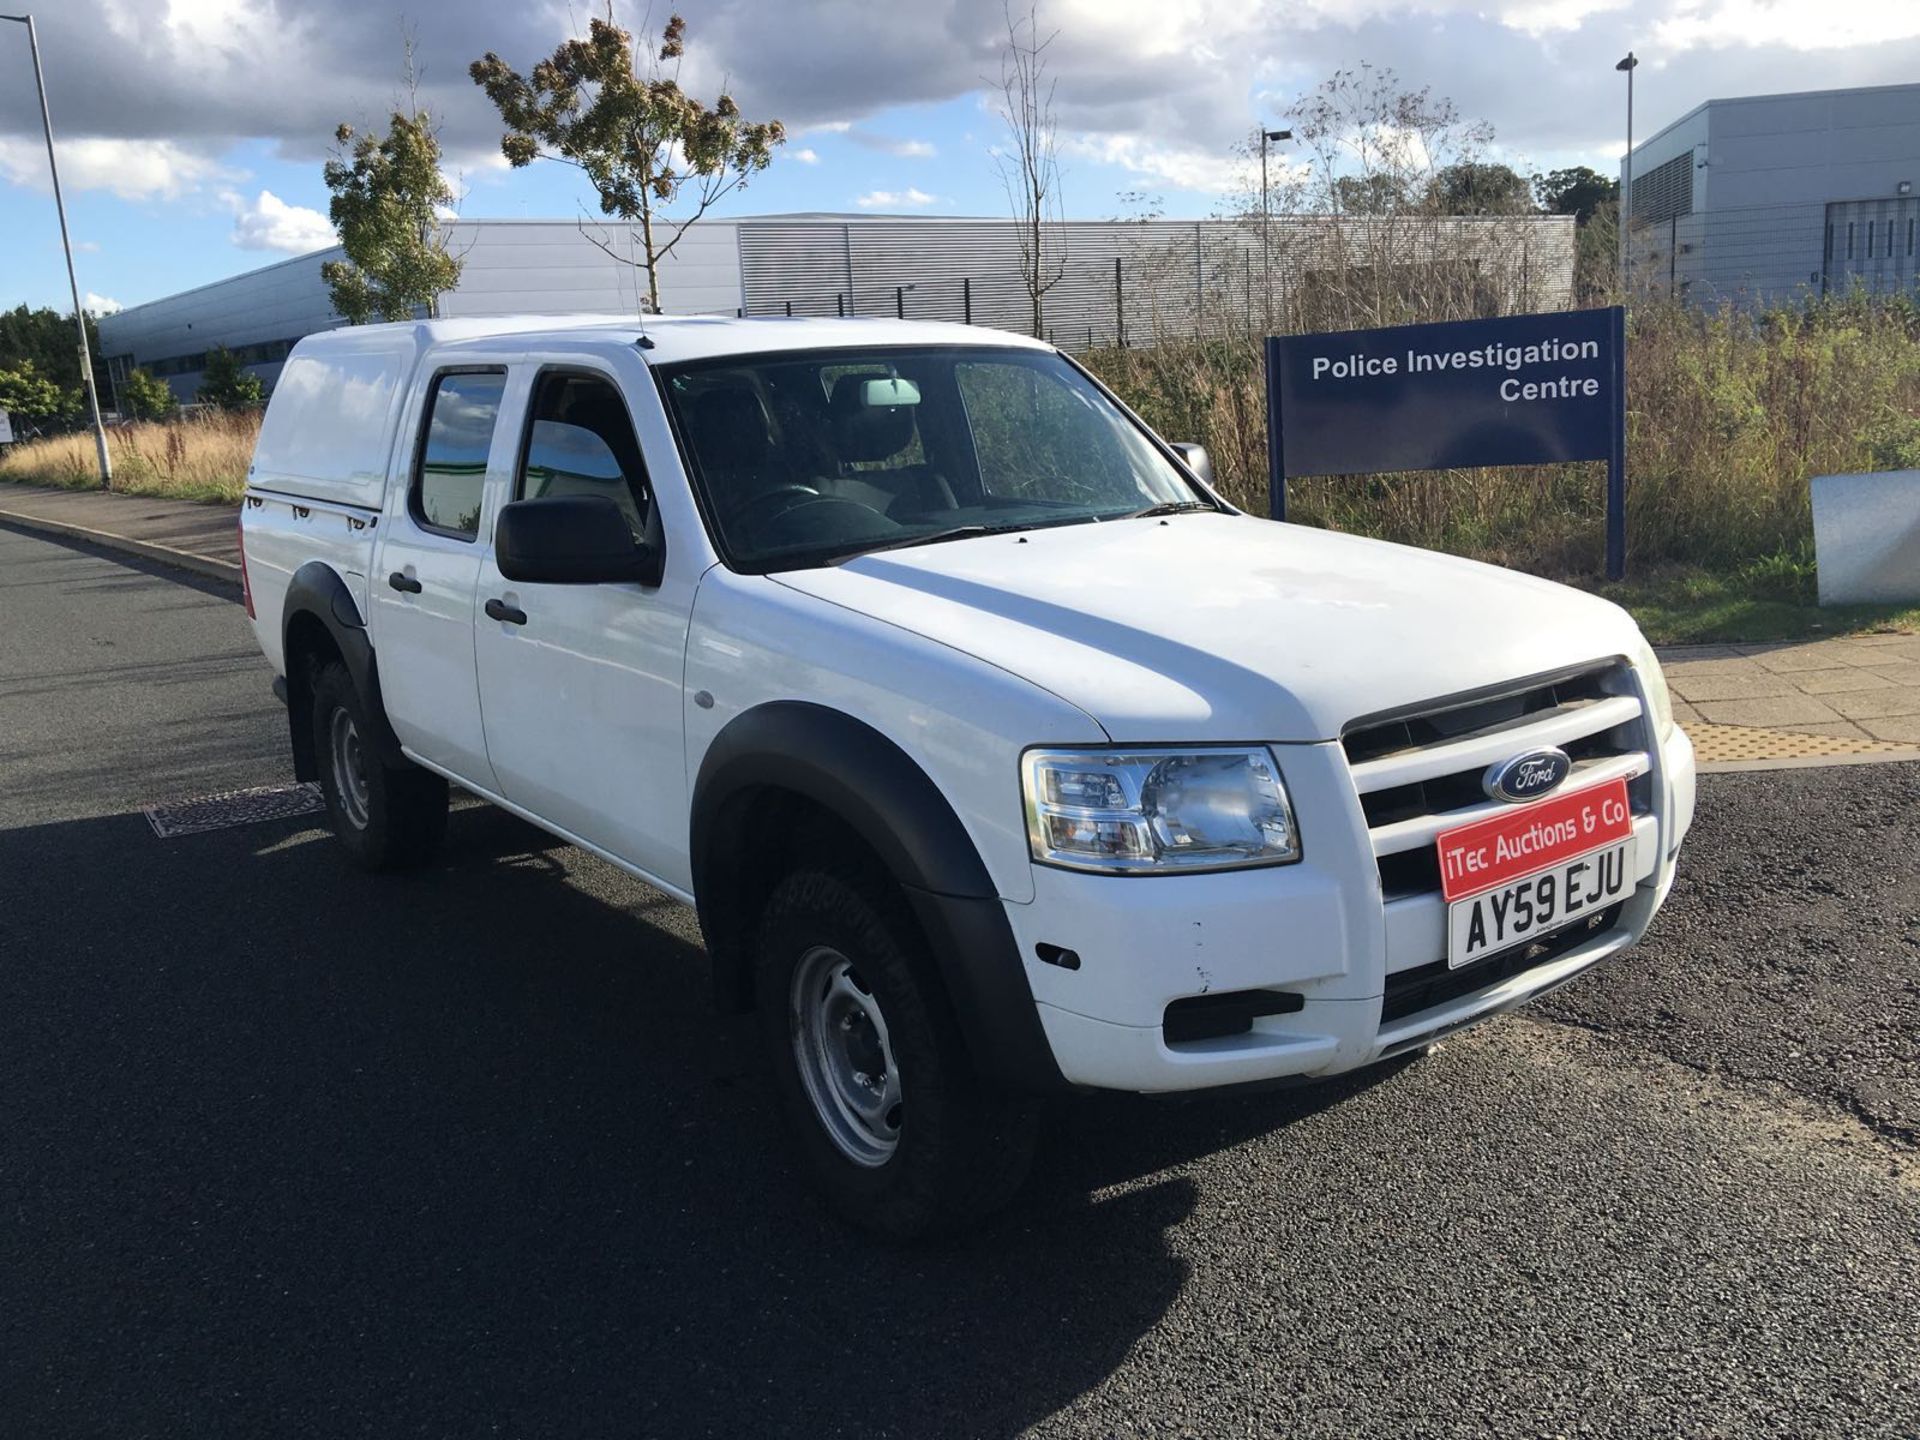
(581, 442)
(451, 476)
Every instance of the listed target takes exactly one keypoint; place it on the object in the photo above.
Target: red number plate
(1500, 848)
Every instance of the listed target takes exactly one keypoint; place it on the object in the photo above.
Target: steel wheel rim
(845, 1057)
(349, 768)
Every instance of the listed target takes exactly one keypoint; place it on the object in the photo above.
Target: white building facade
(1771, 198)
(1112, 282)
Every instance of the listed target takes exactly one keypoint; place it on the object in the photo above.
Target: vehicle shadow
(288, 1148)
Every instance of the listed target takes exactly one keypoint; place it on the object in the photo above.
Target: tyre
(390, 817)
(889, 1119)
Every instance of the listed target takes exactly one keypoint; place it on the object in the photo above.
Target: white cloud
(270, 223)
(1796, 24)
(131, 169)
(101, 304)
(87, 247)
(805, 157)
(908, 199)
(1203, 172)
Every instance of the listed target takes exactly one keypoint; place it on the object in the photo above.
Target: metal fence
(1132, 283)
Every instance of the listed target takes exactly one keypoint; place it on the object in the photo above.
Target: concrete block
(1866, 537)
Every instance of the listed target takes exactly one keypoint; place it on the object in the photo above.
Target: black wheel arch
(321, 622)
(785, 757)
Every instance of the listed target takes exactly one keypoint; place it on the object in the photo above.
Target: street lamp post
(60, 207)
(1266, 223)
(1626, 181)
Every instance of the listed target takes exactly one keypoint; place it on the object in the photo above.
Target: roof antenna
(645, 342)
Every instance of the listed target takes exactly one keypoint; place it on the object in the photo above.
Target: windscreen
(809, 459)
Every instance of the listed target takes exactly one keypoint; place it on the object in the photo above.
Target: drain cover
(233, 807)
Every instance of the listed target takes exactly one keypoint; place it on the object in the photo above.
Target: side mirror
(571, 540)
(1198, 461)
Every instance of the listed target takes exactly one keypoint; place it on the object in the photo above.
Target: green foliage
(386, 194)
(1577, 191)
(1377, 194)
(644, 143)
(226, 384)
(48, 340)
(145, 397)
(1729, 415)
(1477, 187)
(27, 394)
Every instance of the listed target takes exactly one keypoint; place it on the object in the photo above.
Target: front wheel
(889, 1118)
(390, 817)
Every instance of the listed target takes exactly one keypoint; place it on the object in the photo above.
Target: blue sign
(1523, 390)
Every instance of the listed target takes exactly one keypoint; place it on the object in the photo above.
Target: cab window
(451, 476)
(580, 441)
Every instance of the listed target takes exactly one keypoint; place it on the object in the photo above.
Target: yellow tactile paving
(1717, 744)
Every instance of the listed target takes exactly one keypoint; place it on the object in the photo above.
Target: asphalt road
(286, 1151)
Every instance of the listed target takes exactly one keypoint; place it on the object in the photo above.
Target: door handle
(406, 584)
(511, 614)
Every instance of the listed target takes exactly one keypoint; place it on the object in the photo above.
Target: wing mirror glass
(571, 540)
(1198, 461)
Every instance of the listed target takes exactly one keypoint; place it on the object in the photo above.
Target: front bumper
(1318, 929)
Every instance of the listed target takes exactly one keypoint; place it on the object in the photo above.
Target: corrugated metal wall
(1111, 281)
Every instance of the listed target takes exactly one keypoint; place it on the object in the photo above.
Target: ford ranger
(998, 754)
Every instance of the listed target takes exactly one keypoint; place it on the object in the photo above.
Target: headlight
(1655, 684)
(1157, 811)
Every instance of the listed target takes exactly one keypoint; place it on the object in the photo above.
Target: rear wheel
(390, 817)
(888, 1116)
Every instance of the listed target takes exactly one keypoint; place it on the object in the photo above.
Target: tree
(1030, 170)
(644, 144)
(1375, 194)
(47, 339)
(226, 384)
(1576, 191)
(143, 396)
(388, 194)
(27, 394)
(1477, 187)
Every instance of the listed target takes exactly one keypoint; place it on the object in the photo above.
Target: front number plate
(1511, 877)
(1515, 913)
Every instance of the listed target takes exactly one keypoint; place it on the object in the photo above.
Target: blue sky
(193, 130)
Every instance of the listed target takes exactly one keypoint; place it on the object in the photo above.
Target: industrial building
(1117, 281)
(1772, 197)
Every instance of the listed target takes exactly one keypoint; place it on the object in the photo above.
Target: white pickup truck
(998, 754)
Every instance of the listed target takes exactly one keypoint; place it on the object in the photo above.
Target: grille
(1411, 991)
(1419, 771)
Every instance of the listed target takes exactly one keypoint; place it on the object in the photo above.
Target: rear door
(429, 564)
(581, 686)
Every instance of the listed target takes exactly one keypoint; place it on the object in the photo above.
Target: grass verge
(202, 459)
(1774, 600)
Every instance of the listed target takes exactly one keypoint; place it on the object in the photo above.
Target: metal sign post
(1523, 390)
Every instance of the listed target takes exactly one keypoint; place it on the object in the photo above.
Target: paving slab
(1836, 681)
(1895, 729)
(1786, 659)
(1895, 672)
(1877, 704)
(1761, 686)
(1783, 712)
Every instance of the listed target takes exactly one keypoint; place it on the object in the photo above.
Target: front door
(429, 565)
(581, 685)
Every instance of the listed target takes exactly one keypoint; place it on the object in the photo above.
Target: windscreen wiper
(933, 537)
(1166, 507)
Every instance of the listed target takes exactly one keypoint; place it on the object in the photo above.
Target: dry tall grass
(1729, 415)
(199, 458)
